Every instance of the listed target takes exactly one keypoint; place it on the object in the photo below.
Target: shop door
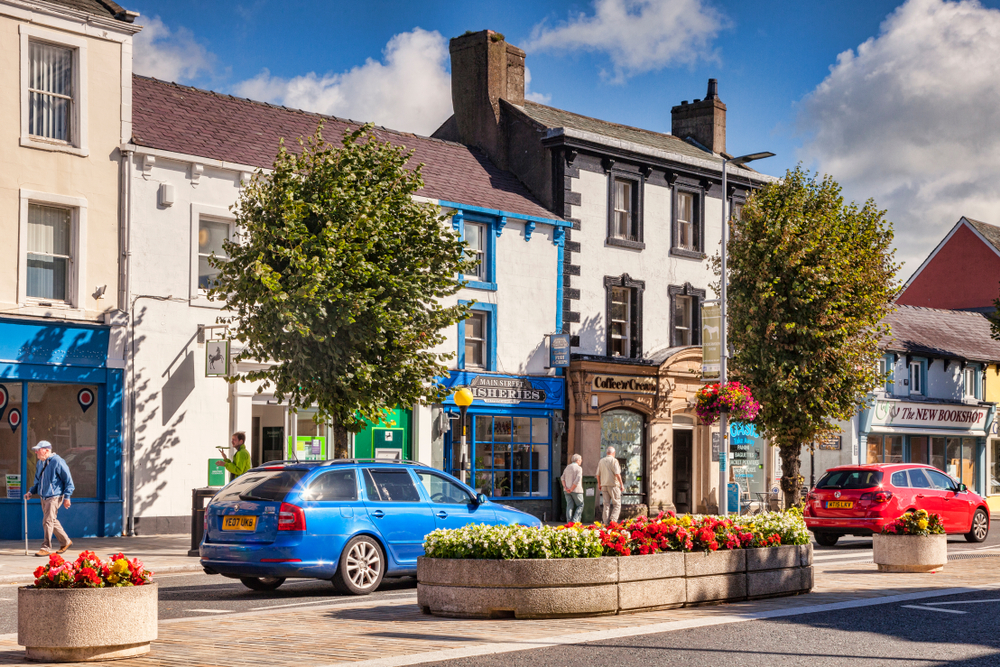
(682, 470)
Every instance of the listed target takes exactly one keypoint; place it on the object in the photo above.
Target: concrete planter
(553, 588)
(86, 624)
(910, 553)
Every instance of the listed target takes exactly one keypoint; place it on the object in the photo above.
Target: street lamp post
(463, 399)
(724, 334)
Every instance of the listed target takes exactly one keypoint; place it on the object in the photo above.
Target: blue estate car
(351, 521)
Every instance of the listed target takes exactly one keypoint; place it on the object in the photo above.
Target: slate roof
(202, 123)
(97, 7)
(990, 232)
(553, 118)
(955, 334)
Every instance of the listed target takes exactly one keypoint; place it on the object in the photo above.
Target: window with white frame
(916, 384)
(683, 320)
(621, 223)
(685, 221)
(49, 253)
(476, 328)
(211, 235)
(50, 91)
(970, 382)
(475, 239)
(53, 90)
(621, 313)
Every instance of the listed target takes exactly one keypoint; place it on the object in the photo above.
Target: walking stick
(25, 499)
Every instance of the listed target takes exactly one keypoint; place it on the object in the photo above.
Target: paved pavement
(159, 553)
(392, 631)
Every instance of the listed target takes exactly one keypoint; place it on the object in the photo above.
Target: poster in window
(216, 358)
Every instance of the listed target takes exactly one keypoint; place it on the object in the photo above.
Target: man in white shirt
(572, 481)
(609, 478)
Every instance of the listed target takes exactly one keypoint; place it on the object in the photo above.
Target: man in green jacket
(240, 462)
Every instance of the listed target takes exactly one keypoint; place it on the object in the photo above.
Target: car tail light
(291, 517)
(882, 496)
(812, 496)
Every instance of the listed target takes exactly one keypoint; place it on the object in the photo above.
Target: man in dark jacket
(54, 486)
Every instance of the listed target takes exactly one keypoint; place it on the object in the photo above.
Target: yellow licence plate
(248, 523)
(839, 504)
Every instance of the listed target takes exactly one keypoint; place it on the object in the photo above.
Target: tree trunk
(790, 473)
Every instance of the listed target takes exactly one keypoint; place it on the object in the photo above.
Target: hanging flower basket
(731, 397)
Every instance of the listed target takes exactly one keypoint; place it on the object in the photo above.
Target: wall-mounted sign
(711, 341)
(507, 390)
(14, 419)
(911, 415)
(716, 446)
(624, 384)
(830, 444)
(13, 487)
(216, 358)
(85, 397)
(559, 351)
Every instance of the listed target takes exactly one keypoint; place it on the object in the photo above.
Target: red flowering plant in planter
(641, 536)
(731, 397)
(87, 571)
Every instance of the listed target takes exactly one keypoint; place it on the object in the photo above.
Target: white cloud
(910, 118)
(638, 35)
(409, 90)
(531, 95)
(169, 55)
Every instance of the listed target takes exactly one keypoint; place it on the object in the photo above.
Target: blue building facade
(55, 385)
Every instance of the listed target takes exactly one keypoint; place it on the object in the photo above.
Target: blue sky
(899, 101)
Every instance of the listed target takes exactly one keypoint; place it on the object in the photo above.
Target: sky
(897, 101)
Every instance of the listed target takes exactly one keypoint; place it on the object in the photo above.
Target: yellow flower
(921, 512)
(922, 523)
(120, 566)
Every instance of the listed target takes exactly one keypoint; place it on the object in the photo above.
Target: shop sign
(510, 391)
(889, 413)
(13, 487)
(711, 341)
(831, 444)
(216, 358)
(559, 351)
(624, 384)
(716, 439)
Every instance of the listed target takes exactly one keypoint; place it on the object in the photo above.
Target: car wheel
(361, 568)
(262, 583)
(980, 527)
(826, 539)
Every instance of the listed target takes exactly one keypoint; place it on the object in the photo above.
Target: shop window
(994, 481)
(624, 430)
(512, 456)
(625, 210)
(66, 415)
(960, 460)
(10, 439)
(915, 378)
(477, 337)
(688, 222)
(918, 450)
(53, 90)
(885, 449)
(685, 311)
(624, 316)
(937, 453)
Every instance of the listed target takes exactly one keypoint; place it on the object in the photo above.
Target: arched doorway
(625, 431)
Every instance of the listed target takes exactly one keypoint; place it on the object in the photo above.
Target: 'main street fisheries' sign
(888, 413)
(505, 390)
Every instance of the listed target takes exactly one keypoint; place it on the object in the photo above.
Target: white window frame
(689, 312)
(691, 245)
(76, 277)
(484, 341)
(78, 120)
(199, 297)
(629, 313)
(481, 253)
(969, 382)
(915, 369)
(628, 233)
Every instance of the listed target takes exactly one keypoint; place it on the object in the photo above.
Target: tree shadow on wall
(593, 336)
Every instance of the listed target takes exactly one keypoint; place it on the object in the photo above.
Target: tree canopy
(336, 277)
(810, 280)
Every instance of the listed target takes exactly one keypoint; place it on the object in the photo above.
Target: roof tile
(932, 332)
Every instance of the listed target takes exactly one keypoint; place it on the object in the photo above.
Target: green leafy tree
(337, 275)
(810, 281)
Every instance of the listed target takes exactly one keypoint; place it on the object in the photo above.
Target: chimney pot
(696, 100)
(713, 90)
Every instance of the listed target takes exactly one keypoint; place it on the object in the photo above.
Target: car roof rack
(330, 462)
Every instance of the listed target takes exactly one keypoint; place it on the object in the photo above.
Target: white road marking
(945, 611)
(964, 601)
(208, 611)
(294, 604)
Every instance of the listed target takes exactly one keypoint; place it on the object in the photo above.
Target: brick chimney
(484, 70)
(702, 120)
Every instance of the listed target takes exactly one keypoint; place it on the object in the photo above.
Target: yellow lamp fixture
(463, 397)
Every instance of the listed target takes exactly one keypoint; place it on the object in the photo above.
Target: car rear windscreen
(271, 485)
(850, 479)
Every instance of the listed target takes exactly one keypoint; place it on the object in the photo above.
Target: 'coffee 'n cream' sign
(625, 384)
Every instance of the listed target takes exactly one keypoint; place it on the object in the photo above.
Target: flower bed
(640, 564)
(88, 598)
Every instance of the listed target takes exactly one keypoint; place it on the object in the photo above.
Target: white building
(191, 151)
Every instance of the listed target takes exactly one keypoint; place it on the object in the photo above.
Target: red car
(860, 499)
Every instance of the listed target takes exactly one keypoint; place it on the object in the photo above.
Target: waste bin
(199, 498)
(589, 499)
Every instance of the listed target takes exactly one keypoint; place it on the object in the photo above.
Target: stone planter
(86, 624)
(553, 588)
(910, 553)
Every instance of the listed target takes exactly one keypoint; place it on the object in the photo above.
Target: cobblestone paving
(383, 629)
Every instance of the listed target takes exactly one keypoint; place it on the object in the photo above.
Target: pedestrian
(609, 478)
(53, 486)
(572, 481)
(240, 462)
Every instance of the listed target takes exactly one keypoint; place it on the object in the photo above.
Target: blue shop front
(55, 385)
(511, 429)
